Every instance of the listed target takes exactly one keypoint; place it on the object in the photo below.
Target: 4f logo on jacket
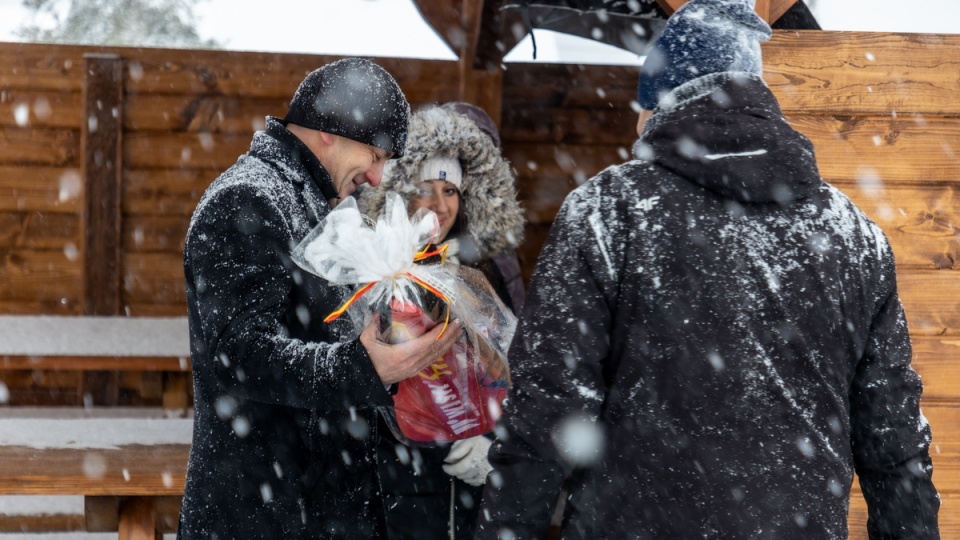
(648, 204)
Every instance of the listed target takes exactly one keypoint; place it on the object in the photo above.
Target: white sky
(394, 27)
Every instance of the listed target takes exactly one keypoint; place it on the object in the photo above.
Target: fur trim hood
(495, 219)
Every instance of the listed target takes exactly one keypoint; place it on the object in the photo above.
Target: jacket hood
(495, 219)
(726, 133)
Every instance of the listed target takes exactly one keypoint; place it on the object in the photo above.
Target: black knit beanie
(356, 99)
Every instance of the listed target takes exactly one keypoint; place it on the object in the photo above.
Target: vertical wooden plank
(101, 388)
(491, 98)
(101, 148)
(101, 140)
(494, 39)
(101, 513)
(471, 14)
(176, 393)
(763, 9)
(138, 519)
(485, 91)
(479, 85)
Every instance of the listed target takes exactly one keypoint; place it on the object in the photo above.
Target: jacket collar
(694, 90)
(301, 157)
(726, 133)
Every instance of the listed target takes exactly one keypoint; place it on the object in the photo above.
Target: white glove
(468, 461)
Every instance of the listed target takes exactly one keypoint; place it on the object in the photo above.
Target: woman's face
(442, 198)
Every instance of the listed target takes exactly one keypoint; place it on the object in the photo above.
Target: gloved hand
(468, 461)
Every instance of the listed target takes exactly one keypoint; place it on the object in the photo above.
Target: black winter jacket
(285, 429)
(711, 344)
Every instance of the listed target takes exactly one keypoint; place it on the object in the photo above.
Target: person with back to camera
(453, 168)
(712, 341)
(285, 428)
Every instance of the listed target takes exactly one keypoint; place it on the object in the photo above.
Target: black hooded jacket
(285, 428)
(711, 345)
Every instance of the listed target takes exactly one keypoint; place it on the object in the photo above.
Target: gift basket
(400, 275)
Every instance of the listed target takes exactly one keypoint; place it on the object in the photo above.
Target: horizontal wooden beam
(769, 10)
(136, 470)
(58, 68)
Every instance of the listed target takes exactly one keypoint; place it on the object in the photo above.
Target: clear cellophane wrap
(399, 275)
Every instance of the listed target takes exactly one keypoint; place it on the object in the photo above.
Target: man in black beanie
(712, 342)
(285, 428)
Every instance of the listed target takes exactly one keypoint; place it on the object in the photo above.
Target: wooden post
(479, 85)
(470, 17)
(763, 10)
(176, 393)
(101, 513)
(101, 140)
(138, 519)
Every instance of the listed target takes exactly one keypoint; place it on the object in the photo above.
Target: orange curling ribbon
(424, 254)
(343, 309)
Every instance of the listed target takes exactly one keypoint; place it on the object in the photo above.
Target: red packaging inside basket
(456, 397)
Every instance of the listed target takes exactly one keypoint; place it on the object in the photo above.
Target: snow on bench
(41, 336)
(152, 345)
(106, 469)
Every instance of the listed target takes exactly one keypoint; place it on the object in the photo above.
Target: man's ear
(327, 138)
(642, 120)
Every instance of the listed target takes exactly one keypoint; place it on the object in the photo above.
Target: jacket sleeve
(509, 267)
(890, 437)
(238, 250)
(551, 424)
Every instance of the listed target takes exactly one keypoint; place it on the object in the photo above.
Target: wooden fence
(105, 152)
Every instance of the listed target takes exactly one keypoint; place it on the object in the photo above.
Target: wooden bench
(130, 471)
(128, 464)
(88, 360)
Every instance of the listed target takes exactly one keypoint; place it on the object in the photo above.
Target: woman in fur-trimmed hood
(453, 168)
(490, 221)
